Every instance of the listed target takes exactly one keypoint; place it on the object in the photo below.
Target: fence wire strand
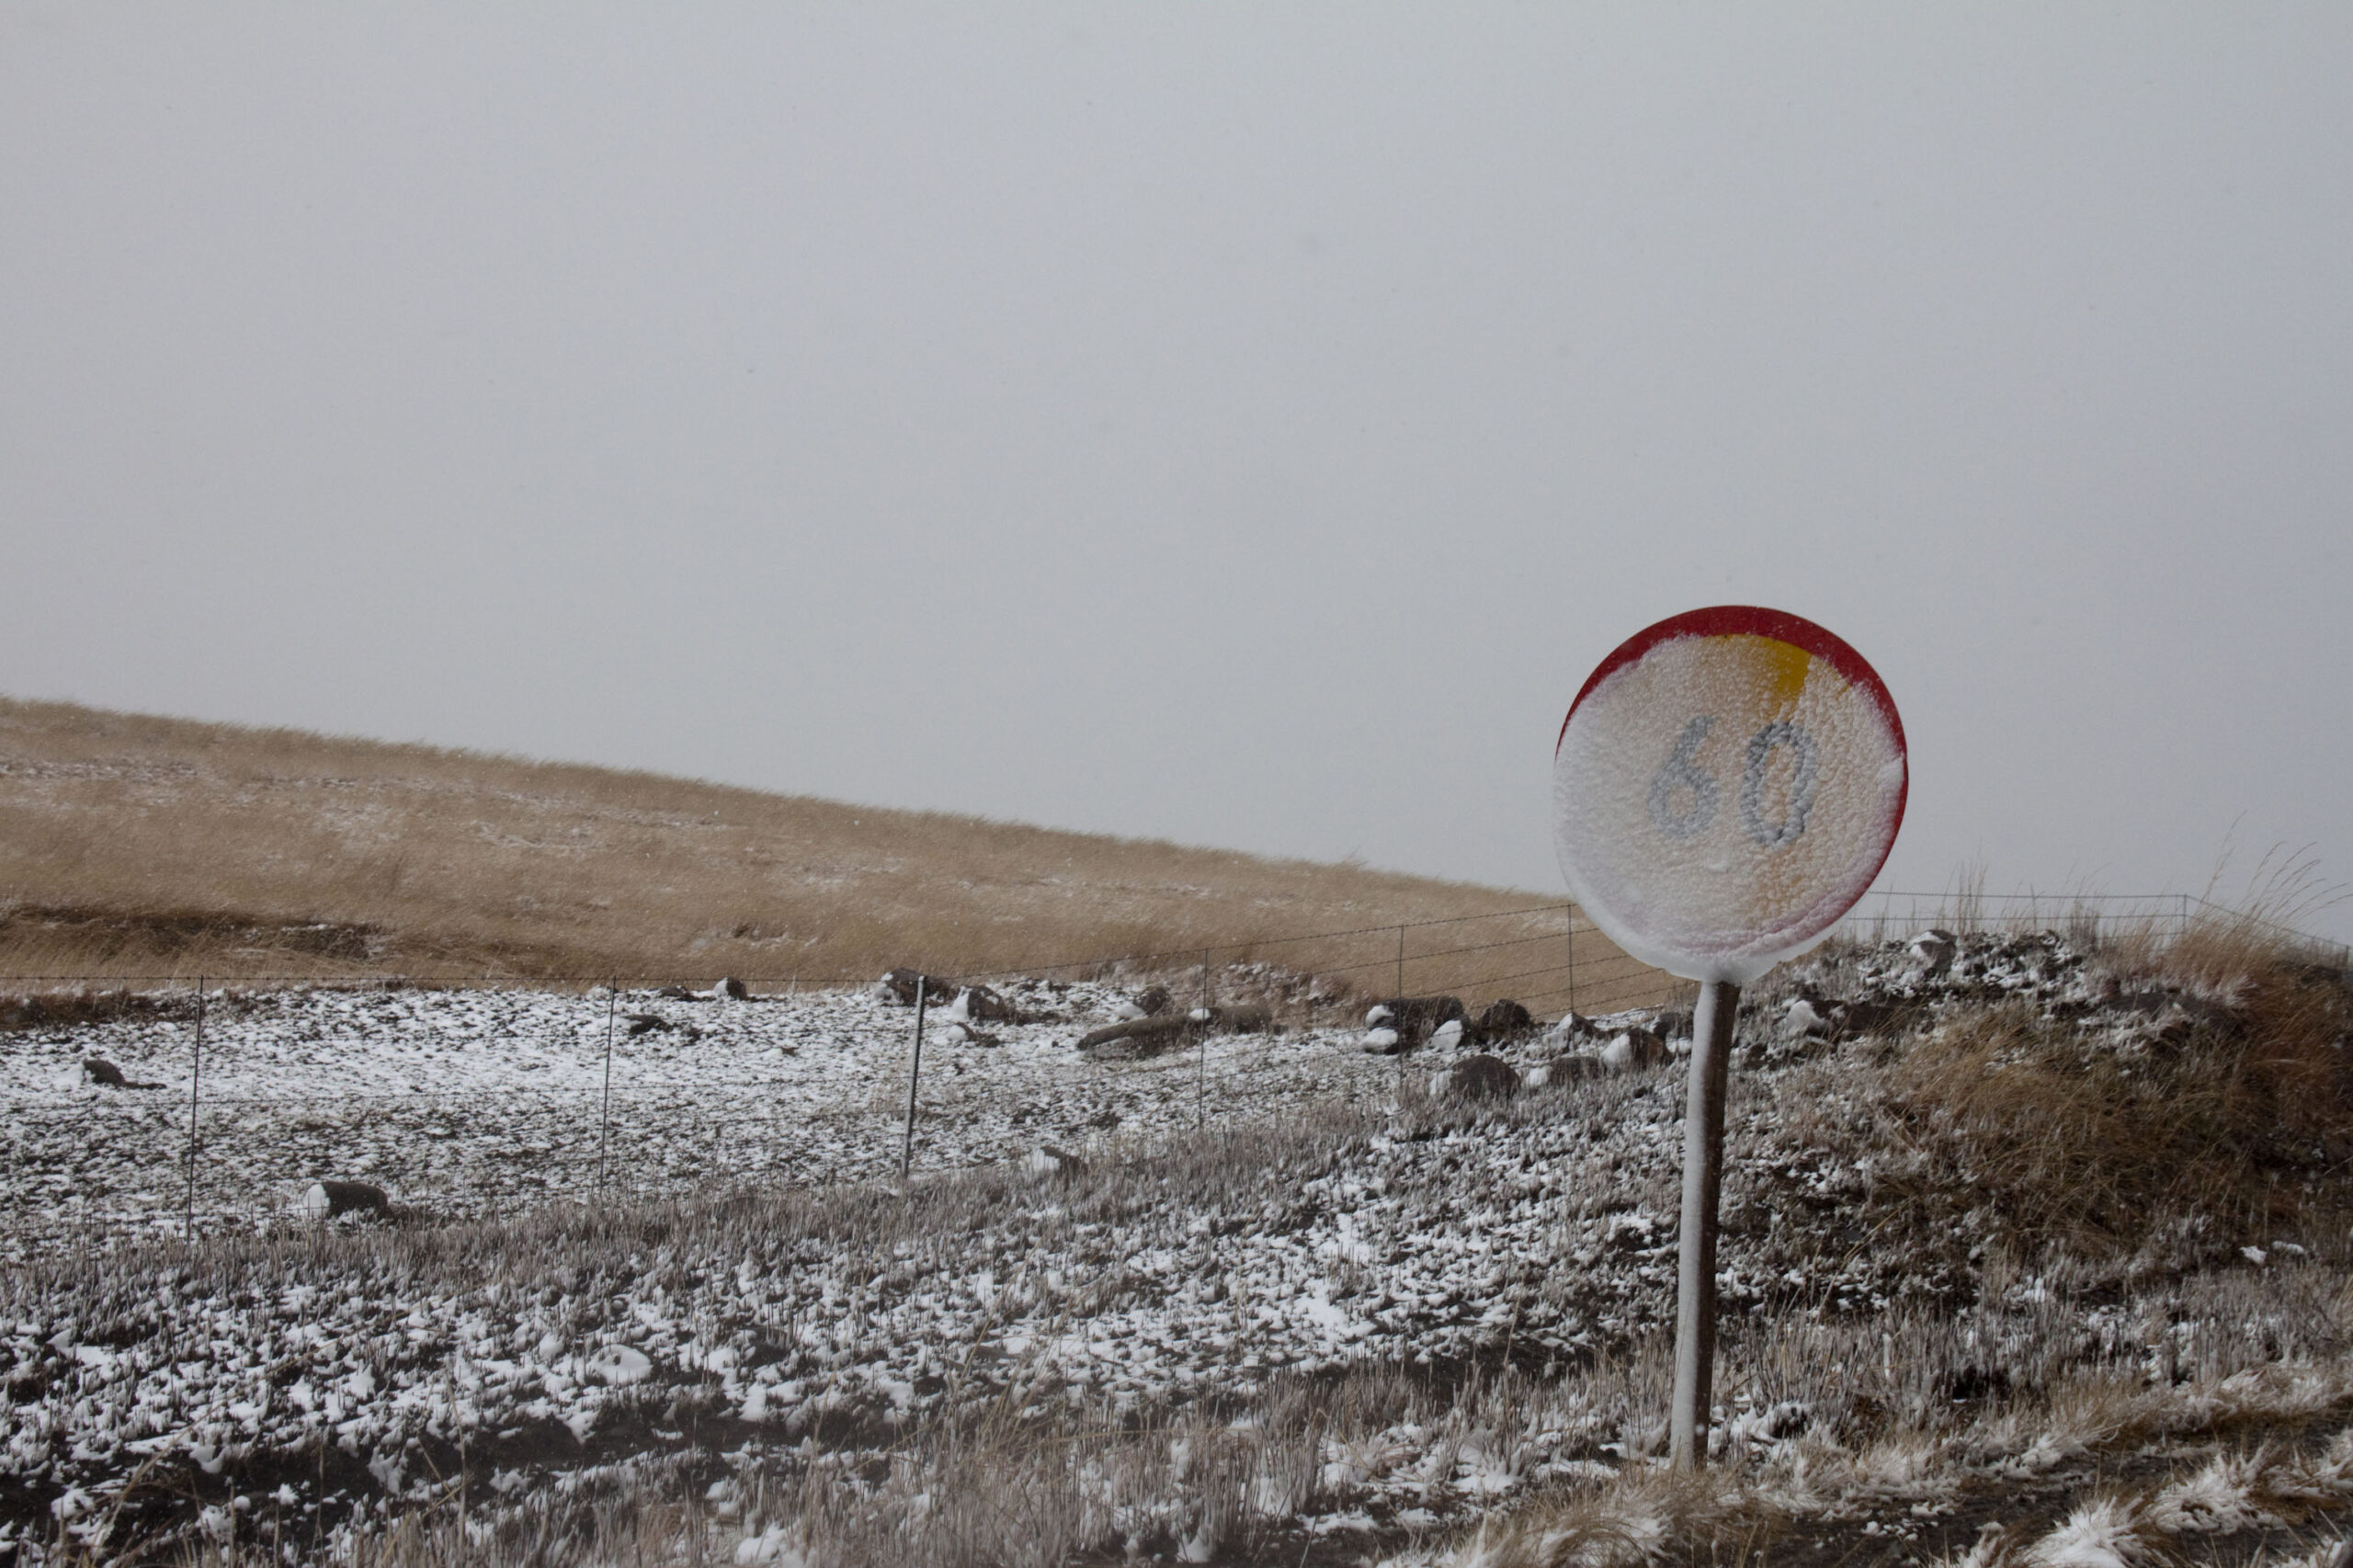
(1596, 982)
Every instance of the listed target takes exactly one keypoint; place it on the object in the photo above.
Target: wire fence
(2087, 919)
(231, 1102)
(1557, 945)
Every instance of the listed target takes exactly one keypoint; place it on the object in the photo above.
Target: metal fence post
(1573, 957)
(914, 1076)
(605, 1112)
(194, 1077)
(1201, 1059)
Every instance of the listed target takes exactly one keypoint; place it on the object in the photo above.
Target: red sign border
(1755, 620)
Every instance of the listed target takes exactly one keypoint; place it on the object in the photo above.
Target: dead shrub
(2084, 1141)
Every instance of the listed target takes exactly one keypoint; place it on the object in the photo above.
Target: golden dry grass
(2081, 1140)
(133, 846)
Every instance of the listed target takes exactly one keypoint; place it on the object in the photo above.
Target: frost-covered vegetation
(2032, 1250)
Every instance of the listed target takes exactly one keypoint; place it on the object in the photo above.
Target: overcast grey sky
(1240, 425)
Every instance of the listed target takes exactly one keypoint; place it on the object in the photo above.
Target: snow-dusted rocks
(900, 985)
(1633, 1051)
(1503, 1020)
(1563, 1034)
(1933, 951)
(1133, 1039)
(617, 1364)
(325, 1200)
(1478, 1077)
(1414, 1021)
(979, 1005)
(98, 1069)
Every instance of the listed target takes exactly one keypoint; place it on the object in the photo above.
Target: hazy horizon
(1240, 429)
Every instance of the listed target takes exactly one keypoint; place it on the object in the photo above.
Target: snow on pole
(1703, 1172)
(1725, 786)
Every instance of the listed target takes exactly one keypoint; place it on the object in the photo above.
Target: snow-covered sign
(1724, 788)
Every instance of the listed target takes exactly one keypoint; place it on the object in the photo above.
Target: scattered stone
(1634, 1050)
(1130, 1038)
(325, 1200)
(730, 989)
(1933, 950)
(1383, 1041)
(646, 1022)
(1480, 1077)
(982, 1005)
(1800, 1019)
(1448, 1036)
(899, 985)
(619, 1364)
(1413, 1020)
(1419, 1015)
(1503, 1020)
(98, 1069)
(1152, 999)
(1133, 1039)
(1572, 1026)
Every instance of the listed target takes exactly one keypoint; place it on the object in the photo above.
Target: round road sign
(1725, 786)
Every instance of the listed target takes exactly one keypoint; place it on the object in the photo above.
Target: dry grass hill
(134, 845)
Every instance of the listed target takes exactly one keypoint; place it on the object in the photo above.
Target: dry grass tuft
(2203, 1114)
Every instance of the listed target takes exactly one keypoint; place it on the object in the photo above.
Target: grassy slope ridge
(133, 845)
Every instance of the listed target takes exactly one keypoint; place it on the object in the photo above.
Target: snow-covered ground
(1325, 1234)
(471, 1103)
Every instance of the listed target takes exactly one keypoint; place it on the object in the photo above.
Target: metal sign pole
(914, 1074)
(1690, 871)
(1703, 1169)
